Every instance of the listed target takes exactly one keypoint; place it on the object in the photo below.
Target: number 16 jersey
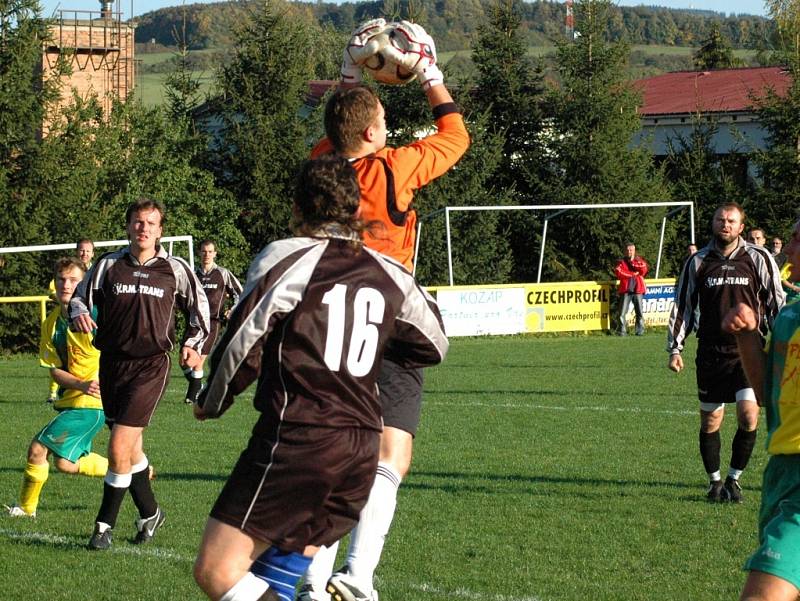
(313, 323)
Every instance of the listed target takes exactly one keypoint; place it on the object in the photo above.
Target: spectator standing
(777, 252)
(630, 272)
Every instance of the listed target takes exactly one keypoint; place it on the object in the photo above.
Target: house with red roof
(673, 100)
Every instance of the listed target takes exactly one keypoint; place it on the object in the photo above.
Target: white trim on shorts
(745, 395)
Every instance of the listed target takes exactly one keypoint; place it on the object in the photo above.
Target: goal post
(168, 240)
(559, 209)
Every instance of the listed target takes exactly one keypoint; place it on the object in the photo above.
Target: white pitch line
(463, 593)
(57, 539)
(564, 408)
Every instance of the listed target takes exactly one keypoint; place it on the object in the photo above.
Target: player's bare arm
(742, 321)
(67, 380)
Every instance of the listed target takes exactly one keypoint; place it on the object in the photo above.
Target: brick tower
(99, 47)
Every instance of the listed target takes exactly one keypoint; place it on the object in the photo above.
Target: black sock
(142, 493)
(709, 450)
(109, 507)
(742, 448)
(195, 386)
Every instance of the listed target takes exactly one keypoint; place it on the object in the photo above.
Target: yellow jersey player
(774, 567)
(73, 363)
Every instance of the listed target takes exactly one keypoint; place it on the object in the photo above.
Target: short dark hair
(348, 113)
(206, 242)
(327, 191)
(144, 203)
(84, 241)
(731, 204)
(65, 263)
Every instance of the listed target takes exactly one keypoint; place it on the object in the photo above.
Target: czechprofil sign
(558, 307)
(567, 306)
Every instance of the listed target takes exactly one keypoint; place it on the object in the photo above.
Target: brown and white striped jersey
(218, 283)
(136, 303)
(315, 319)
(714, 284)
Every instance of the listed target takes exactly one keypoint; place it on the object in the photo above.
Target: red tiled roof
(709, 91)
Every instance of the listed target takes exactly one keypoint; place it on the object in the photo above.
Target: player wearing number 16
(317, 315)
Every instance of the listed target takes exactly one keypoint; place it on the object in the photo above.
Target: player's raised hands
(364, 42)
(739, 319)
(420, 58)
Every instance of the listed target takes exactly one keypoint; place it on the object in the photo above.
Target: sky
(752, 7)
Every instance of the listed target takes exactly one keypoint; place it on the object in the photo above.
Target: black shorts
(308, 489)
(132, 388)
(720, 374)
(213, 332)
(400, 395)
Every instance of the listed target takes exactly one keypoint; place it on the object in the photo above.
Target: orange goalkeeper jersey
(389, 177)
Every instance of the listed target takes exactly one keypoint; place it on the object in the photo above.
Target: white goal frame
(170, 240)
(559, 209)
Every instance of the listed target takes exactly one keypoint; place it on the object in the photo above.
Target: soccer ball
(383, 70)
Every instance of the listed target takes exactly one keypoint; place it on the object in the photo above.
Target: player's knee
(399, 457)
(65, 465)
(37, 452)
(203, 576)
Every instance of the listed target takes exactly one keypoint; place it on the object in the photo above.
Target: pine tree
(24, 99)
(778, 166)
(700, 175)
(715, 52)
(263, 137)
(778, 199)
(510, 90)
(592, 161)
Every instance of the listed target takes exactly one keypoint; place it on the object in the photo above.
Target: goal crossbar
(170, 240)
(559, 210)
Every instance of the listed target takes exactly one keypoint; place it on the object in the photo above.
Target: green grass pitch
(555, 468)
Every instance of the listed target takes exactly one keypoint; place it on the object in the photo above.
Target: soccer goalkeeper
(355, 124)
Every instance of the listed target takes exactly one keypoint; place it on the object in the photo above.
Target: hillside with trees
(555, 133)
(454, 23)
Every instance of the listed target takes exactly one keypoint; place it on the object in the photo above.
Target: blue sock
(281, 570)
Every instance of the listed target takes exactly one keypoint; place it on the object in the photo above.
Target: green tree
(182, 84)
(24, 99)
(715, 52)
(263, 136)
(510, 91)
(778, 165)
(592, 161)
(700, 175)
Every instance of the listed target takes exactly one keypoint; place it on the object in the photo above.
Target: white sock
(249, 588)
(321, 567)
(715, 477)
(141, 465)
(734, 473)
(367, 538)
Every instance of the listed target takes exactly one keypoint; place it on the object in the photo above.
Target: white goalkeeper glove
(421, 56)
(365, 42)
